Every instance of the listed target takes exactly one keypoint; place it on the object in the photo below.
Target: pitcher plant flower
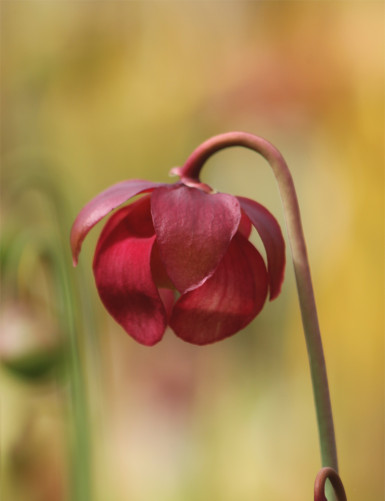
(180, 256)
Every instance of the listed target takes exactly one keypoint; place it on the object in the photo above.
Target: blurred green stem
(190, 171)
(80, 443)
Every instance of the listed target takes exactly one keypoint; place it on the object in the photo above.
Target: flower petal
(271, 235)
(159, 273)
(122, 270)
(227, 301)
(168, 298)
(245, 225)
(101, 205)
(193, 230)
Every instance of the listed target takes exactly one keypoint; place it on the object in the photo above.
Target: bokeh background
(94, 92)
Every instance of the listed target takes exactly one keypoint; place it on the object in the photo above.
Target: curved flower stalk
(185, 238)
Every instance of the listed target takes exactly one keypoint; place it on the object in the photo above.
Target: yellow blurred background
(95, 92)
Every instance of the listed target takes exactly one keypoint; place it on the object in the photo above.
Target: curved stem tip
(320, 482)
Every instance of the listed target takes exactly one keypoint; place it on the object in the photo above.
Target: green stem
(80, 439)
(190, 173)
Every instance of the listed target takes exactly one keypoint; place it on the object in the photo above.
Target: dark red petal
(123, 277)
(137, 216)
(159, 273)
(227, 301)
(245, 225)
(193, 230)
(168, 298)
(101, 205)
(271, 235)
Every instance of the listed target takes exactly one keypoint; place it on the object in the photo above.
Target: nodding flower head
(180, 256)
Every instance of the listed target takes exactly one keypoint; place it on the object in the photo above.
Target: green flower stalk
(190, 171)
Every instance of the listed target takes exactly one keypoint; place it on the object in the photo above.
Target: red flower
(180, 256)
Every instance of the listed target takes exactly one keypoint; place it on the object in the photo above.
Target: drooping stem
(189, 173)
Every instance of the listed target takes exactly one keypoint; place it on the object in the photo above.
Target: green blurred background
(97, 92)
